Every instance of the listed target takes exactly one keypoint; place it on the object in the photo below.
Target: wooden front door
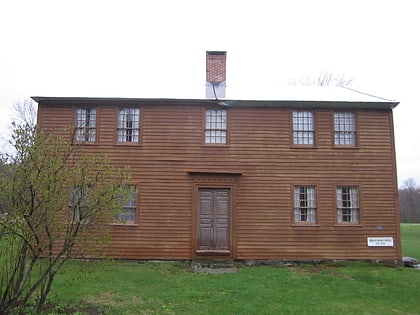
(213, 221)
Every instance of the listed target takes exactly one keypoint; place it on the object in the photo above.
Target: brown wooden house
(304, 177)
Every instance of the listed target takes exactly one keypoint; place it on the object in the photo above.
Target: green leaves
(45, 182)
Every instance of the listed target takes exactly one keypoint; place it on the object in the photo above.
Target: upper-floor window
(216, 126)
(303, 127)
(128, 125)
(304, 204)
(128, 211)
(344, 129)
(85, 129)
(348, 205)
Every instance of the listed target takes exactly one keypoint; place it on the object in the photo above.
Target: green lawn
(410, 235)
(168, 288)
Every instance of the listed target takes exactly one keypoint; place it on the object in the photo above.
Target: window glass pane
(91, 118)
(128, 211)
(92, 135)
(85, 129)
(348, 204)
(303, 127)
(79, 201)
(344, 128)
(207, 136)
(128, 125)
(216, 126)
(304, 204)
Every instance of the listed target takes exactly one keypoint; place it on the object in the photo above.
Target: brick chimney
(215, 74)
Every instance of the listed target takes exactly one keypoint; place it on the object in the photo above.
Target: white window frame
(305, 204)
(129, 208)
(348, 209)
(85, 124)
(78, 201)
(216, 125)
(128, 129)
(303, 122)
(345, 130)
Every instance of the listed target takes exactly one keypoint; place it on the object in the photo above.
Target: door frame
(213, 252)
(216, 181)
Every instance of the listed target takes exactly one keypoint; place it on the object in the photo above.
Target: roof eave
(223, 102)
(310, 104)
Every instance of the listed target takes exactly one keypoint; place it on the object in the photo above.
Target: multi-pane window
(305, 204)
(216, 126)
(303, 127)
(128, 211)
(344, 128)
(85, 129)
(348, 205)
(78, 204)
(128, 125)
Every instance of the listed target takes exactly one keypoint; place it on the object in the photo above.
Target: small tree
(24, 113)
(56, 201)
(410, 201)
(322, 78)
(4, 172)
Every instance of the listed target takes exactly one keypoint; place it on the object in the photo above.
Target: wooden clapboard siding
(259, 149)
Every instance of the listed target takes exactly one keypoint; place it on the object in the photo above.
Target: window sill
(93, 143)
(215, 145)
(358, 225)
(124, 224)
(128, 144)
(306, 225)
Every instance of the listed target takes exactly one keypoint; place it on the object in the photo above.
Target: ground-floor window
(128, 211)
(348, 205)
(304, 204)
(78, 204)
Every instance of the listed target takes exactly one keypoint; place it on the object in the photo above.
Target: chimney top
(215, 74)
(216, 53)
(216, 67)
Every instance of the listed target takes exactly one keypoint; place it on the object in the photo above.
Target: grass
(168, 288)
(410, 235)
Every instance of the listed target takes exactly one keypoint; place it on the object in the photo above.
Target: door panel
(214, 221)
(205, 218)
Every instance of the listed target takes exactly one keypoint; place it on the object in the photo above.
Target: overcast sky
(141, 48)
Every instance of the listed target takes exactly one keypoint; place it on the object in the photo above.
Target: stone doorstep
(218, 271)
(213, 266)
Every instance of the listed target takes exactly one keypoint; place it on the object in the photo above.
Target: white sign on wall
(380, 241)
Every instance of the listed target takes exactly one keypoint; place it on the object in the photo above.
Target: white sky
(141, 48)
